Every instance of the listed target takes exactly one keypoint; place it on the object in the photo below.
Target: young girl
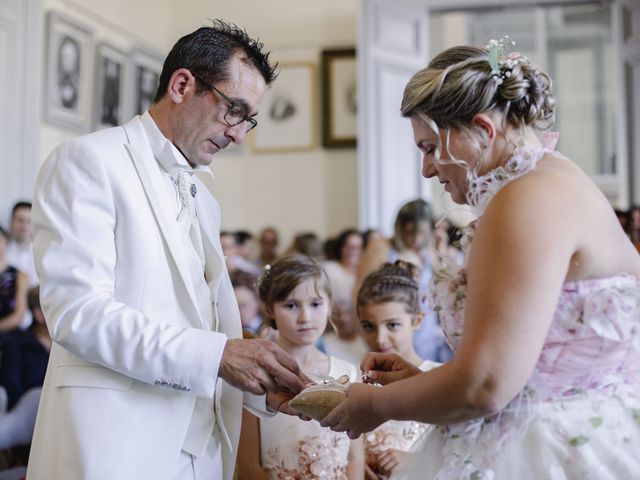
(297, 302)
(388, 306)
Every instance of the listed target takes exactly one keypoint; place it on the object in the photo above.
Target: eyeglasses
(236, 113)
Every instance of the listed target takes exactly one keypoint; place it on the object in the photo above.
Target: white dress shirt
(21, 256)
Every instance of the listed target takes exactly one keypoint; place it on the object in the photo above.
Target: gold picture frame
(287, 119)
(339, 98)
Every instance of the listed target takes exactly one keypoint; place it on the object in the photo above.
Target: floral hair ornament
(501, 63)
(266, 270)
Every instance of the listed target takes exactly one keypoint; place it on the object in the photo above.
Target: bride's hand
(386, 368)
(355, 414)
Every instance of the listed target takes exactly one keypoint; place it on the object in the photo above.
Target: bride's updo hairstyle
(460, 83)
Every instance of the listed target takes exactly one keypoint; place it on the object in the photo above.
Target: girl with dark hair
(388, 307)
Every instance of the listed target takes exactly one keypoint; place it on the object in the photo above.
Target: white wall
(295, 191)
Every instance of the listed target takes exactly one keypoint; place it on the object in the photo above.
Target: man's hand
(259, 366)
(386, 368)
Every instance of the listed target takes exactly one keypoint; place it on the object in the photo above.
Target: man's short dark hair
(207, 51)
(243, 236)
(18, 206)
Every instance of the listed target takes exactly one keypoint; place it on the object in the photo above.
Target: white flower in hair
(501, 63)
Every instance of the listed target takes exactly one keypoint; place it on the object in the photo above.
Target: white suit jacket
(132, 377)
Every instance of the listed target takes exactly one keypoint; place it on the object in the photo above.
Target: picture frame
(339, 98)
(112, 73)
(287, 120)
(145, 67)
(68, 77)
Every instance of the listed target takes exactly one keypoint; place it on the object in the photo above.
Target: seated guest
(268, 242)
(20, 249)
(306, 243)
(244, 244)
(623, 218)
(342, 273)
(13, 290)
(232, 257)
(634, 225)
(247, 297)
(24, 362)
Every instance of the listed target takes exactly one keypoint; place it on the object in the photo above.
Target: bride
(544, 318)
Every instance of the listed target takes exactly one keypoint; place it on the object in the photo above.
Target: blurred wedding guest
(344, 341)
(247, 297)
(268, 242)
(446, 241)
(232, 257)
(229, 244)
(623, 218)
(412, 242)
(20, 249)
(342, 271)
(634, 225)
(25, 355)
(329, 249)
(371, 234)
(13, 290)
(306, 243)
(244, 244)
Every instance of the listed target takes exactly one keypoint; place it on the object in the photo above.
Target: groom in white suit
(148, 366)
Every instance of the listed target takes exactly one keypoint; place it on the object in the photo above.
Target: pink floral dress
(578, 417)
(292, 449)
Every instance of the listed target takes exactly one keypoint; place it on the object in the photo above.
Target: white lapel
(152, 181)
(208, 226)
(227, 317)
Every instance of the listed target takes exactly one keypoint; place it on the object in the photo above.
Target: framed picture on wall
(110, 87)
(339, 98)
(68, 77)
(145, 74)
(287, 115)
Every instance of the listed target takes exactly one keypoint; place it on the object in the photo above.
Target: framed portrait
(339, 98)
(110, 102)
(68, 77)
(287, 115)
(145, 71)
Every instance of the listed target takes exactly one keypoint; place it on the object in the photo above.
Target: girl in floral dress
(388, 307)
(544, 317)
(296, 298)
